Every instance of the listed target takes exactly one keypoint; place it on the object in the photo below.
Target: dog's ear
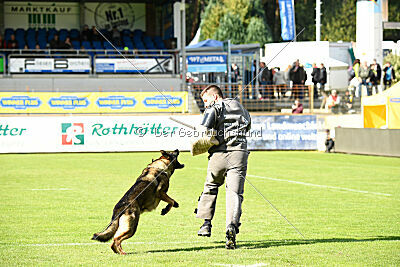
(165, 154)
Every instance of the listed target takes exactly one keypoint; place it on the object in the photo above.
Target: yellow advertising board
(93, 102)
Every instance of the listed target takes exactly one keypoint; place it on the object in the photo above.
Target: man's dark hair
(212, 89)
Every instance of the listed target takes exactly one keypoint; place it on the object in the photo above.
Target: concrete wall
(383, 142)
(84, 83)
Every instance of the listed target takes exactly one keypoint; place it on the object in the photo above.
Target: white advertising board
(49, 65)
(121, 65)
(94, 133)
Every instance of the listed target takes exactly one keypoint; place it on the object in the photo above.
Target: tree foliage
(231, 19)
(257, 31)
(231, 27)
(341, 25)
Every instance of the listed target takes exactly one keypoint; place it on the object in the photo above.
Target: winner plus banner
(49, 65)
(99, 102)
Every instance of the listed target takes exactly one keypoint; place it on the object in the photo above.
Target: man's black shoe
(205, 229)
(230, 237)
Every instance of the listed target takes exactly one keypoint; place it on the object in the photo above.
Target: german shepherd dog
(145, 195)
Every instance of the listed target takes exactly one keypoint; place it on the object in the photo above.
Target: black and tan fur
(144, 195)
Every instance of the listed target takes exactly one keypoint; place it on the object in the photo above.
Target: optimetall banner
(93, 102)
(288, 27)
(30, 134)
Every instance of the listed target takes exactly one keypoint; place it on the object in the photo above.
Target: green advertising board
(1, 64)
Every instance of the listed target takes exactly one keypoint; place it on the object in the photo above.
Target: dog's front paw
(176, 205)
(164, 211)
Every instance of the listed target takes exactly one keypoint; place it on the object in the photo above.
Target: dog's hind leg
(127, 227)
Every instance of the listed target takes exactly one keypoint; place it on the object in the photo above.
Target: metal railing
(270, 98)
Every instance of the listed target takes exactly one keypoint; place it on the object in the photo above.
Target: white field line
(315, 185)
(94, 244)
(321, 186)
(50, 189)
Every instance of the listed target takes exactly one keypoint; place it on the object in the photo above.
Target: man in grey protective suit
(228, 159)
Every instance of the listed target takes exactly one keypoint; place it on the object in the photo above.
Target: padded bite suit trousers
(232, 166)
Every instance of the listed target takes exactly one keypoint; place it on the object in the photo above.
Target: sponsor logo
(163, 102)
(20, 102)
(116, 102)
(72, 134)
(68, 102)
(395, 100)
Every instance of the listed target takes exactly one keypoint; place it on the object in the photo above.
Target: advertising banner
(121, 65)
(141, 133)
(121, 15)
(49, 65)
(209, 63)
(1, 64)
(288, 26)
(285, 132)
(41, 15)
(92, 102)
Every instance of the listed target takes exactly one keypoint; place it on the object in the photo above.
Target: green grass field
(347, 206)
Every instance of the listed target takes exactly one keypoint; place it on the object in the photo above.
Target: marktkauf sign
(141, 133)
(209, 63)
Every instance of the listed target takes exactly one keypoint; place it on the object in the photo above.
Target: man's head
(262, 64)
(211, 94)
(297, 102)
(334, 92)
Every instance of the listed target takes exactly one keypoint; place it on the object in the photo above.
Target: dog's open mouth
(177, 165)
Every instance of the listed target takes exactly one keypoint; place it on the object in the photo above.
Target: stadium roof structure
(211, 45)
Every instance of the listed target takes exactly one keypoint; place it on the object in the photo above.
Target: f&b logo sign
(72, 134)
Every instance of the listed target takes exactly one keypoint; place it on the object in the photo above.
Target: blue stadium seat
(42, 44)
(76, 44)
(129, 44)
(51, 34)
(74, 34)
(32, 44)
(126, 32)
(86, 45)
(110, 49)
(98, 46)
(159, 42)
(63, 34)
(138, 33)
(7, 33)
(148, 42)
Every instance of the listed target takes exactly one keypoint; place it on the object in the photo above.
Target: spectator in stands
(348, 102)
(85, 33)
(329, 142)
(67, 44)
(262, 80)
(363, 73)
(297, 107)
(323, 77)
(373, 79)
(279, 80)
(333, 102)
(116, 36)
(355, 78)
(315, 74)
(38, 50)
(12, 43)
(297, 77)
(94, 35)
(388, 76)
(379, 74)
(2, 42)
(56, 43)
(235, 72)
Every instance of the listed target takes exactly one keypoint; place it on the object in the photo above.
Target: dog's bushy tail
(108, 233)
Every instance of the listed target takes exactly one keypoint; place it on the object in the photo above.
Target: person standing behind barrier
(295, 76)
(373, 79)
(364, 74)
(355, 78)
(279, 81)
(323, 78)
(262, 80)
(379, 74)
(389, 75)
(315, 74)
